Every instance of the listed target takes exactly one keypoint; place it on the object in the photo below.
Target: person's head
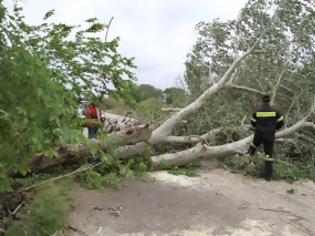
(266, 99)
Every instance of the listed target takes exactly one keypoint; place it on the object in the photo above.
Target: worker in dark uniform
(265, 120)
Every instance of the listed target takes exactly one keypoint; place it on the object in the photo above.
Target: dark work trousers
(92, 131)
(267, 139)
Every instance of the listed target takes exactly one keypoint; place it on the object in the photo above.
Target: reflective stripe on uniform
(280, 119)
(267, 158)
(253, 119)
(266, 114)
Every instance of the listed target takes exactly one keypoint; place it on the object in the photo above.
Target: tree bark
(202, 150)
(115, 122)
(128, 151)
(192, 138)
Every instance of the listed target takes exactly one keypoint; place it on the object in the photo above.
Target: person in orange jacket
(93, 119)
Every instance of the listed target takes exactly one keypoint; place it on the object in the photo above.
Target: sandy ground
(216, 203)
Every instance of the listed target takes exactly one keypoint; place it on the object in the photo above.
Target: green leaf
(49, 14)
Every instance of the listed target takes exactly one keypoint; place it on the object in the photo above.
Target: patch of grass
(145, 177)
(254, 166)
(190, 170)
(184, 170)
(47, 213)
(291, 191)
(293, 171)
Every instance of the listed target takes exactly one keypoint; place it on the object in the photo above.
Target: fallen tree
(77, 154)
(133, 141)
(231, 65)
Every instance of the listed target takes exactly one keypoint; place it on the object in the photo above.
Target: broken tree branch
(108, 26)
(248, 89)
(171, 109)
(130, 150)
(238, 147)
(79, 170)
(192, 138)
(275, 90)
(166, 128)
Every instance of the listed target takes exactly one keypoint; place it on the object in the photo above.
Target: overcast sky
(158, 33)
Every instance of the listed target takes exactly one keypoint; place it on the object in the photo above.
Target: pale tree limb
(113, 122)
(243, 120)
(128, 151)
(198, 151)
(241, 87)
(238, 147)
(232, 77)
(171, 109)
(286, 88)
(108, 26)
(166, 128)
(275, 90)
(286, 140)
(248, 89)
(192, 138)
(294, 128)
(291, 106)
(128, 136)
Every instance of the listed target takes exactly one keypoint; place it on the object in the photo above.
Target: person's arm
(254, 119)
(280, 120)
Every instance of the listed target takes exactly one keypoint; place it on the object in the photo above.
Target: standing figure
(93, 119)
(265, 120)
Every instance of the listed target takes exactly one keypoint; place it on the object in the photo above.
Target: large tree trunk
(166, 128)
(202, 150)
(69, 154)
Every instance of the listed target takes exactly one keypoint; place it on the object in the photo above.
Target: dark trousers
(260, 138)
(267, 139)
(92, 131)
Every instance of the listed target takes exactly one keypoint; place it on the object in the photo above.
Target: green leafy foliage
(46, 71)
(42, 220)
(175, 96)
(279, 25)
(146, 91)
(111, 172)
(92, 179)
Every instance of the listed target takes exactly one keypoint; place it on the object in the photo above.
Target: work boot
(268, 170)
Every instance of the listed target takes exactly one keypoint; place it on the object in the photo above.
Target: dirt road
(216, 203)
